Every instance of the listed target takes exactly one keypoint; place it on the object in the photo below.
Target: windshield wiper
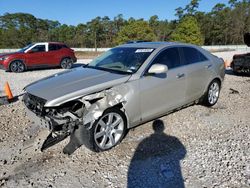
(106, 69)
(114, 71)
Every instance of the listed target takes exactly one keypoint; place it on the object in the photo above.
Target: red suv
(38, 55)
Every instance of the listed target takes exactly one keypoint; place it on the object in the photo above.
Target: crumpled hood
(68, 85)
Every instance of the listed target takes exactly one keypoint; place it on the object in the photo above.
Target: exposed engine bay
(73, 118)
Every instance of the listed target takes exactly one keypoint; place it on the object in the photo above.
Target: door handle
(180, 75)
(208, 66)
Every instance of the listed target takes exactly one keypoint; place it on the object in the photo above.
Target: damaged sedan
(241, 62)
(97, 104)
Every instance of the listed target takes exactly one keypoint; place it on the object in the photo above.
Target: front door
(161, 93)
(36, 56)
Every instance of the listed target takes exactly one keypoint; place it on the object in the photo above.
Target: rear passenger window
(53, 47)
(64, 46)
(169, 57)
(192, 55)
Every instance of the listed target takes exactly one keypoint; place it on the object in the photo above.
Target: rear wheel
(109, 130)
(212, 95)
(17, 66)
(66, 63)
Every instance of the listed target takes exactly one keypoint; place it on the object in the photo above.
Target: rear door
(53, 54)
(198, 69)
(163, 92)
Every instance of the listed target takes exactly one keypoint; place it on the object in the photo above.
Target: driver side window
(38, 48)
(169, 57)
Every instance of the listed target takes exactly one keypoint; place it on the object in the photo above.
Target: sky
(73, 12)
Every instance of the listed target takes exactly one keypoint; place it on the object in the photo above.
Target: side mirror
(158, 69)
(247, 39)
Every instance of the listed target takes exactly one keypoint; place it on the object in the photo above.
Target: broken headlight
(34, 103)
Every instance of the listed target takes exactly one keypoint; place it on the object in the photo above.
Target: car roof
(48, 43)
(56, 43)
(152, 44)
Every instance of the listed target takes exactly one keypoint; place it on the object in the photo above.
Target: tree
(224, 24)
(154, 23)
(179, 12)
(191, 8)
(239, 21)
(80, 35)
(135, 30)
(119, 22)
(205, 23)
(232, 3)
(188, 31)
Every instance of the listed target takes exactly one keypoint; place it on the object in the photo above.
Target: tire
(106, 135)
(17, 66)
(212, 94)
(66, 63)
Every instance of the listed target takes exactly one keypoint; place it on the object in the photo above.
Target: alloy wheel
(213, 93)
(109, 130)
(66, 63)
(17, 66)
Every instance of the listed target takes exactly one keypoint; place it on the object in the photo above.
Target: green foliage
(135, 30)
(188, 31)
(224, 24)
(161, 28)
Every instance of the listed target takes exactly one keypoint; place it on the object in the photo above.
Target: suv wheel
(109, 130)
(17, 66)
(66, 63)
(212, 95)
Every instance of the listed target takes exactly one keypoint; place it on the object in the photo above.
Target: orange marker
(8, 91)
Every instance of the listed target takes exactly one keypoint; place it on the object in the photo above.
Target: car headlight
(4, 58)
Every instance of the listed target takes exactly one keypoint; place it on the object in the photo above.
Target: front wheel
(109, 130)
(212, 95)
(17, 66)
(66, 63)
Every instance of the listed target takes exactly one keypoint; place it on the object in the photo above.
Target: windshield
(26, 47)
(124, 60)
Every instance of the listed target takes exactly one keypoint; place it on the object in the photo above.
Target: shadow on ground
(5, 101)
(156, 161)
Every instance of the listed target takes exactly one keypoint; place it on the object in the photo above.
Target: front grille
(34, 103)
(1, 66)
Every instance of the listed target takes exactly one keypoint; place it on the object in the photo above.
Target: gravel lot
(199, 147)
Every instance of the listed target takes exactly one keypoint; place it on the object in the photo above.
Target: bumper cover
(2, 67)
(74, 60)
(37, 120)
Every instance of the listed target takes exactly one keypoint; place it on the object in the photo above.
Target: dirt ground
(194, 147)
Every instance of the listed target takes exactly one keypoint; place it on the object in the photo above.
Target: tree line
(224, 24)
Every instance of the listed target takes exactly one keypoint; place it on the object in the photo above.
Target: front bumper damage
(74, 118)
(2, 66)
(241, 63)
